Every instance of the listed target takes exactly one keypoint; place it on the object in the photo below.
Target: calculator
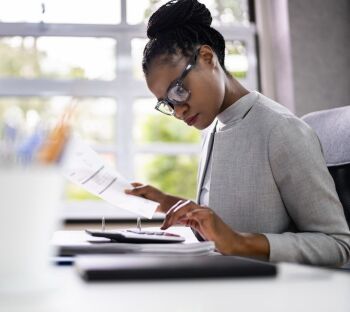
(137, 236)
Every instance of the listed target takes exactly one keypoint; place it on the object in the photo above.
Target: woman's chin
(201, 125)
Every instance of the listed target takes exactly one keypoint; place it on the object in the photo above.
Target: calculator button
(170, 234)
(136, 232)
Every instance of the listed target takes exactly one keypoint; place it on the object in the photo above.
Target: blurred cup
(28, 217)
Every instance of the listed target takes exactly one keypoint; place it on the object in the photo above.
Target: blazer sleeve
(309, 195)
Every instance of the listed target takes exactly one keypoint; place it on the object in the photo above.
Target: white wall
(305, 52)
(320, 42)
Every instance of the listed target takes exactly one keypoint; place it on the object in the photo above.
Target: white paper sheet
(83, 166)
(79, 242)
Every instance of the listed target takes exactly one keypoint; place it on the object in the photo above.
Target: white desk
(296, 288)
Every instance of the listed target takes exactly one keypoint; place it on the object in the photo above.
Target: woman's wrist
(246, 245)
(231, 245)
(167, 201)
(256, 246)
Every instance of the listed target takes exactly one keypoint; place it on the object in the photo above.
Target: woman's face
(205, 82)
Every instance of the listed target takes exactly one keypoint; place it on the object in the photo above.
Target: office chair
(333, 129)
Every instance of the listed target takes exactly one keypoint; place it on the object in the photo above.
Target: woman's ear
(207, 56)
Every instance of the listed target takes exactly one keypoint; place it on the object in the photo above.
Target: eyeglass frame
(179, 81)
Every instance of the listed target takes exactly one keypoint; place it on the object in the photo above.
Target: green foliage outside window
(161, 128)
(25, 60)
(16, 61)
(75, 192)
(172, 174)
(175, 175)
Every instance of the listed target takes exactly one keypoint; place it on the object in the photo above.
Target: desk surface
(297, 288)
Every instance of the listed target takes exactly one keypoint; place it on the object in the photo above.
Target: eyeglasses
(177, 94)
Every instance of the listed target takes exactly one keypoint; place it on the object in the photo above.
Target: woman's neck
(233, 92)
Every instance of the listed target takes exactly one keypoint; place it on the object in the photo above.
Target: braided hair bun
(177, 14)
(180, 26)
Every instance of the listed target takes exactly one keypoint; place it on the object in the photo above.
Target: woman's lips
(192, 120)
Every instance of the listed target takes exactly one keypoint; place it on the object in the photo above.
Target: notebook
(71, 243)
(147, 267)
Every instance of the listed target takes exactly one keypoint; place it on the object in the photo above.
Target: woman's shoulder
(274, 115)
(272, 109)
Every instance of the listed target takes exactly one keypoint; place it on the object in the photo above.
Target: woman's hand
(211, 227)
(147, 191)
(205, 221)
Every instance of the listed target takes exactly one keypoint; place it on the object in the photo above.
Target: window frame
(117, 89)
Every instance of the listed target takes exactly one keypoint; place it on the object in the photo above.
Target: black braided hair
(180, 26)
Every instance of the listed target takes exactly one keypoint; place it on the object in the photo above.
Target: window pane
(137, 46)
(61, 11)
(138, 11)
(223, 11)
(236, 59)
(175, 175)
(94, 119)
(94, 122)
(226, 12)
(57, 57)
(152, 126)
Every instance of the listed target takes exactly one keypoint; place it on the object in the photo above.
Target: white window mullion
(49, 87)
(123, 12)
(252, 74)
(69, 30)
(169, 148)
(125, 109)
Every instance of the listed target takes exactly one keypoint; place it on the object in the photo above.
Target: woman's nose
(180, 110)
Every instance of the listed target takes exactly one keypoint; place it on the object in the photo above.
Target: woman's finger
(138, 190)
(176, 213)
(200, 214)
(199, 219)
(172, 208)
(192, 224)
(176, 207)
(184, 203)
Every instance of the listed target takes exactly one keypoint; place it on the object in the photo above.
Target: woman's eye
(180, 90)
(178, 93)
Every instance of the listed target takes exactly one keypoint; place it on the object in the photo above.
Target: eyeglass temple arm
(192, 62)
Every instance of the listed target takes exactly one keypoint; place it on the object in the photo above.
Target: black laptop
(148, 267)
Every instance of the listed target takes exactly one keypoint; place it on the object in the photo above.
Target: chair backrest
(333, 129)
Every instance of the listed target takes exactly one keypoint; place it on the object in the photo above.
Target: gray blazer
(269, 176)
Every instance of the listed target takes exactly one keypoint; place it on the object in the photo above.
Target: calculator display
(137, 236)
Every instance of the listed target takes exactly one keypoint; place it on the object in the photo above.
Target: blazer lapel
(207, 147)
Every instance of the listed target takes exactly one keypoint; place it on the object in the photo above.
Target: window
(55, 52)
(62, 11)
(168, 150)
(48, 57)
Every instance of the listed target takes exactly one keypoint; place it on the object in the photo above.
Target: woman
(264, 188)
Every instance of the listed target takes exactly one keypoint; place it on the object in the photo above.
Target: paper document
(78, 242)
(83, 166)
